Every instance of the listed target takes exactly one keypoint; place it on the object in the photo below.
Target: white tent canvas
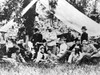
(70, 16)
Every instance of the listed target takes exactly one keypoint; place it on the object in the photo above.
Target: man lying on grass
(88, 50)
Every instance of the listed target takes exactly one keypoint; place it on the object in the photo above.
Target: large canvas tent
(68, 15)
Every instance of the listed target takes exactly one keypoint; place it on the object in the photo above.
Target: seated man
(63, 50)
(87, 50)
(24, 55)
(41, 55)
(75, 51)
(69, 37)
(37, 37)
(51, 39)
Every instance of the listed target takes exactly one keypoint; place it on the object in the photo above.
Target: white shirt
(63, 49)
(51, 37)
(9, 44)
(30, 45)
(39, 57)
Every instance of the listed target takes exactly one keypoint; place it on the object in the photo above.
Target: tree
(88, 7)
(11, 7)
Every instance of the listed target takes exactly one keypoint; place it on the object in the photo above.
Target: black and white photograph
(49, 37)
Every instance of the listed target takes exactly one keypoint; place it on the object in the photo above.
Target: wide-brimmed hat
(84, 27)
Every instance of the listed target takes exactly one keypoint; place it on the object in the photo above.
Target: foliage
(88, 7)
(11, 7)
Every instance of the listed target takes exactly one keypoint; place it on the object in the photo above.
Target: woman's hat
(84, 27)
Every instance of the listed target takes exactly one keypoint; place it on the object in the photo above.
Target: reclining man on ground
(13, 53)
(96, 55)
(18, 52)
(88, 50)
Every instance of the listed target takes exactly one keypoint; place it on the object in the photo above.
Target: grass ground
(61, 69)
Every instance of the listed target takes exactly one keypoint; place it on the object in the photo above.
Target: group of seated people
(51, 49)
